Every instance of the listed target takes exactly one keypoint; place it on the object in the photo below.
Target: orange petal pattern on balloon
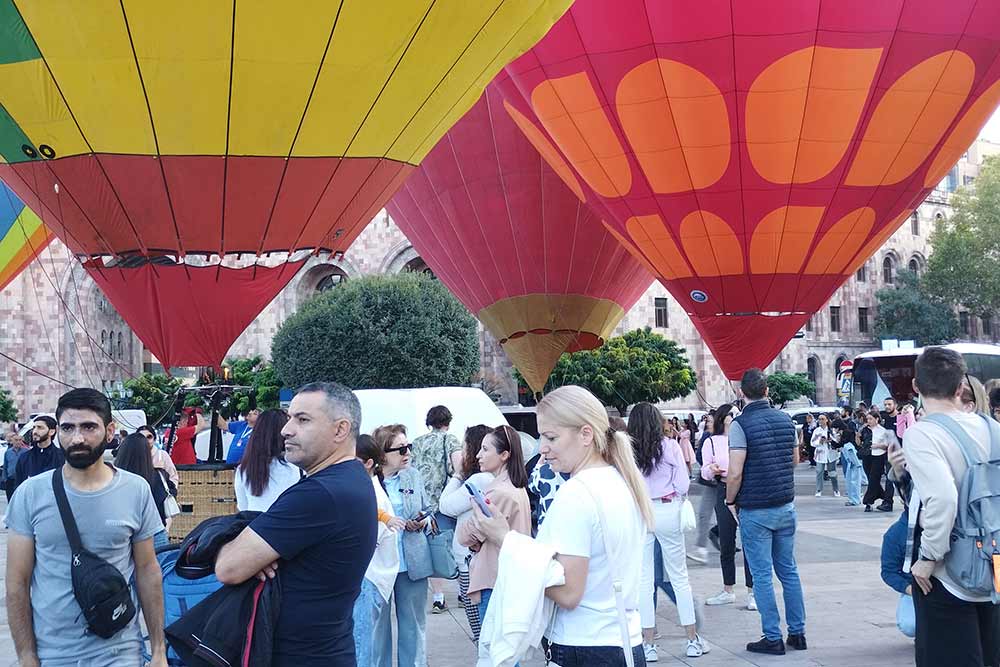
(911, 118)
(876, 241)
(628, 245)
(841, 242)
(568, 108)
(546, 150)
(659, 247)
(782, 239)
(711, 245)
(965, 132)
(677, 123)
(802, 111)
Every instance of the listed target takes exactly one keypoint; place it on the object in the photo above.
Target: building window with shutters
(863, 320)
(834, 318)
(660, 311)
(963, 321)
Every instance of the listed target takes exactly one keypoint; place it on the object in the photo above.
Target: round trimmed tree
(387, 332)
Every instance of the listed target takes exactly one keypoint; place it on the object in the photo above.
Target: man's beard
(81, 456)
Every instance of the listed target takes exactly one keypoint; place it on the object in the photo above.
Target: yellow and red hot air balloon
(521, 250)
(22, 236)
(755, 153)
(149, 129)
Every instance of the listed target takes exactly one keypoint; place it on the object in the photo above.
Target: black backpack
(98, 586)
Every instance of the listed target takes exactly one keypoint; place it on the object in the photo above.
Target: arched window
(813, 371)
(915, 224)
(104, 338)
(862, 275)
(914, 266)
(121, 347)
(418, 265)
(888, 270)
(334, 279)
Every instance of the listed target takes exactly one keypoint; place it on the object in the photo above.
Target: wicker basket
(204, 491)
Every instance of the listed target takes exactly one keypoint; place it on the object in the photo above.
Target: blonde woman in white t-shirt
(576, 438)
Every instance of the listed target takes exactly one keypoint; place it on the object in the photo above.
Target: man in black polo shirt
(760, 491)
(889, 416)
(320, 533)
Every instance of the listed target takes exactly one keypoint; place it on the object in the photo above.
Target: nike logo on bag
(119, 610)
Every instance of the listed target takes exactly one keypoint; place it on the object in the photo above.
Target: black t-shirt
(889, 422)
(325, 529)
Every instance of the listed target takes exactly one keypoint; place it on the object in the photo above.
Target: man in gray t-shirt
(116, 517)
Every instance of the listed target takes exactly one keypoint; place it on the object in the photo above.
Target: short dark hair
(754, 384)
(48, 421)
(438, 417)
(939, 372)
(347, 404)
(85, 399)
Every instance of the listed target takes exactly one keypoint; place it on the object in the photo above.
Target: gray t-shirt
(109, 521)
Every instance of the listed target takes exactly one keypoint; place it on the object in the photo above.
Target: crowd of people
(350, 537)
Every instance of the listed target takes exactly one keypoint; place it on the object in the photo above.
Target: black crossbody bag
(98, 586)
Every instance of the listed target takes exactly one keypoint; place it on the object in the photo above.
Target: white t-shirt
(573, 527)
(384, 566)
(282, 475)
(881, 439)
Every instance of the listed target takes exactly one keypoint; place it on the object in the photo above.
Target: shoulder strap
(66, 512)
(616, 581)
(959, 434)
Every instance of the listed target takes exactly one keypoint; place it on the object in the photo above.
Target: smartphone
(420, 517)
(480, 499)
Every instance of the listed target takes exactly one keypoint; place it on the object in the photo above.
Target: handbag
(104, 596)
(701, 480)
(171, 507)
(689, 520)
(442, 559)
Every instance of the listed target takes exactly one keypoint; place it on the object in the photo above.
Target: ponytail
(621, 457)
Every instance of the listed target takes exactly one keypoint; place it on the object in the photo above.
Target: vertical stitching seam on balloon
(152, 127)
(795, 160)
(295, 137)
(739, 152)
(79, 129)
(849, 157)
(225, 156)
(662, 214)
(913, 176)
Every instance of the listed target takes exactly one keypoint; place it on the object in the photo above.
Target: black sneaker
(797, 642)
(868, 508)
(439, 607)
(769, 646)
(884, 508)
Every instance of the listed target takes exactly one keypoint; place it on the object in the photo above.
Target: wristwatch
(730, 503)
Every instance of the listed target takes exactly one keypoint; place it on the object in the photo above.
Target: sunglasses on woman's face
(402, 449)
(150, 436)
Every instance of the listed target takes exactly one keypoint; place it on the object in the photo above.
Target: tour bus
(886, 374)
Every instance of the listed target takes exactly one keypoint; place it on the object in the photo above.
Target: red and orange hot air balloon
(755, 153)
(522, 251)
(188, 129)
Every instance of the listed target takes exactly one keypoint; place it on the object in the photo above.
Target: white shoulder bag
(617, 581)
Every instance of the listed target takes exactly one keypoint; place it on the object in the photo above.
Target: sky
(992, 129)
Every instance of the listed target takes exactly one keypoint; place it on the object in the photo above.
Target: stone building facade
(54, 319)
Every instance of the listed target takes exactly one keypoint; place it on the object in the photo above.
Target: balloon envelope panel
(22, 236)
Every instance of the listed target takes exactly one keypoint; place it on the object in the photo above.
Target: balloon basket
(205, 491)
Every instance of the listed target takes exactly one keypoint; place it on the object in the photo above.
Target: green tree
(786, 387)
(637, 366)
(244, 371)
(153, 393)
(963, 268)
(908, 311)
(8, 411)
(404, 330)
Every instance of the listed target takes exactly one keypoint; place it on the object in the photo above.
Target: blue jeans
(852, 476)
(366, 614)
(410, 598)
(769, 542)
(659, 577)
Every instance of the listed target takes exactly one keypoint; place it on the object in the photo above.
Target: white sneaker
(751, 601)
(819, 494)
(699, 555)
(721, 599)
(702, 644)
(836, 494)
(694, 649)
(650, 651)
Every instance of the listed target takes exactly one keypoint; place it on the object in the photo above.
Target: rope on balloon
(36, 371)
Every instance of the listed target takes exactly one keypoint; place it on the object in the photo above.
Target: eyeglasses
(402, 449)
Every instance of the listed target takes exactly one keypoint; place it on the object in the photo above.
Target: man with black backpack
(78, 535)
(954, 460)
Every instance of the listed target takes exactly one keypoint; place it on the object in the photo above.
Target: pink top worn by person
(686, 449)
(904, 420)
(670, 476)
(715, 450)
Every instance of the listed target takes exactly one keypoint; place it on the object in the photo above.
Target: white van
(125, 420)
(469, 406)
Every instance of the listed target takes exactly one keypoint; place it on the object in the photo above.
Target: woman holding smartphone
(500, 454)
(405, 489)
(715, 466)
